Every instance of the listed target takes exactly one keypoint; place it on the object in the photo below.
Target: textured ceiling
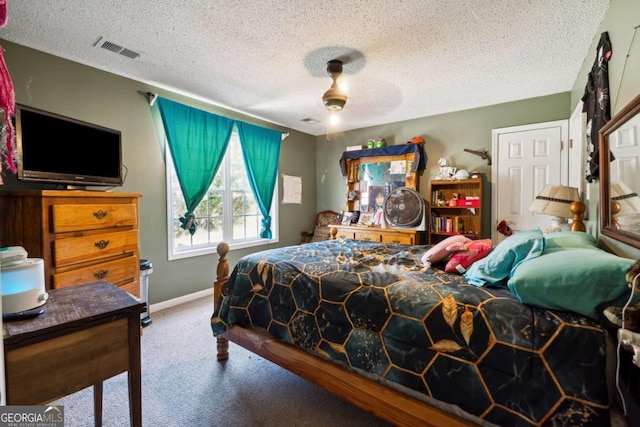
(267, 58)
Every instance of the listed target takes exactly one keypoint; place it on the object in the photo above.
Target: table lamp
(560, 202)
(624, 202)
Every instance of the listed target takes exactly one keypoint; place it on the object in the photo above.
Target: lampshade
(555, 200)
(627, 199)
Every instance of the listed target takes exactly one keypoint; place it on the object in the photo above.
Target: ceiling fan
(335, 98)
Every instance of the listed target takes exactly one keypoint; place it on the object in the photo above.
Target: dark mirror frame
(626, 114)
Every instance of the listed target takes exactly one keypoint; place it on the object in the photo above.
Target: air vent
(113, 47)
(310, 121)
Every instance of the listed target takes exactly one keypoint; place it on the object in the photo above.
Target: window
(228, 212)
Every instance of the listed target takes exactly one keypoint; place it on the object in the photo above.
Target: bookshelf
(455, 207)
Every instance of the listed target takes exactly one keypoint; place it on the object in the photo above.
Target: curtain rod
(152, 97)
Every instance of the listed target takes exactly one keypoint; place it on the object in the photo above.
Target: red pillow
(472, 252)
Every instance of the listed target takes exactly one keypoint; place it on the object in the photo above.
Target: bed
(518, 339)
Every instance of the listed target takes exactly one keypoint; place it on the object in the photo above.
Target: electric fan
(404, 207)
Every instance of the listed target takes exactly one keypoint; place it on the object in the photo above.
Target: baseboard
(154, 308)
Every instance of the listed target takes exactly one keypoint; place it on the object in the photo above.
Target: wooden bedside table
(88, 333)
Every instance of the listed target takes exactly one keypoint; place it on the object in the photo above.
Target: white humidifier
(22, 281)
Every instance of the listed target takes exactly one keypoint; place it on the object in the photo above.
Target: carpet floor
(184, 385)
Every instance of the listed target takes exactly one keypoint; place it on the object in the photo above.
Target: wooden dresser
(387, 169)
(376, 234)
(83, 236)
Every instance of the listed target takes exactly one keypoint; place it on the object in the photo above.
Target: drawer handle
(100, 214)
(101, 244)
(101, 274)
(396, 241)
(366, 239)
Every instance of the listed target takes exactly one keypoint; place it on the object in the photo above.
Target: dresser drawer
(132, 287)
(123, 270)
(87, 248)
(67, 218)
(345, 235)
(370, 237)
(402, 239)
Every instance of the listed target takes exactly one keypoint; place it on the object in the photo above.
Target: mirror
(620, 176)
(377, 180)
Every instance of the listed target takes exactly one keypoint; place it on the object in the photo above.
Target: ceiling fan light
(334, 99)
(334, 105)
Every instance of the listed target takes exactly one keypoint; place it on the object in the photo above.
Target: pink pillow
(440, 251)
(468, 254)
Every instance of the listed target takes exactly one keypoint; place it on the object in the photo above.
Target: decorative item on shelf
(624, 202)
(365, 218)
(377, 143)
(446, 171)
(559, 202)
(346, 218)
(454, 200)
(461, 174)
(355, 216)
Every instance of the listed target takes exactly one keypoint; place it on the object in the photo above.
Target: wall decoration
(291, 189)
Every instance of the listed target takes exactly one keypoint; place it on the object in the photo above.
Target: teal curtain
(197, 141)
(261, 154)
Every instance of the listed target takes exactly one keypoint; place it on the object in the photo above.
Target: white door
(527, 158)
(624, 147)
(577, 138)
(625, 167)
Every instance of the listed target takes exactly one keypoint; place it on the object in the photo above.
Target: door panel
(625, 147)
(529, 157)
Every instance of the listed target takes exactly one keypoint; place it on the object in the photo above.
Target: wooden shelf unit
(82, 236)
(445, 220)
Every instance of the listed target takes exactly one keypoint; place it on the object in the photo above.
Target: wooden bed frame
(392, 405)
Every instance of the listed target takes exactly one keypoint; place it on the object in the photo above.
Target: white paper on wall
(291, 189)
(398, 167)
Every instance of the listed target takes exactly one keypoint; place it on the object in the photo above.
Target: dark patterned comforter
(373, 306)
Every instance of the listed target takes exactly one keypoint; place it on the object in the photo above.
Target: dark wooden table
(88, 333)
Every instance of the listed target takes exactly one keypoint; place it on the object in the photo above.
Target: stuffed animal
(446, 171)
(465, 254)
(443, 249)
(459, 251)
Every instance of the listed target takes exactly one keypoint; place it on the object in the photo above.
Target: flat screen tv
(58, 149)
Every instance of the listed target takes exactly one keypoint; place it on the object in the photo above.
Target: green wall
(620, 21)
(68, 88)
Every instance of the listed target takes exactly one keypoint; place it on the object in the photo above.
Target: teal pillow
(496, 268)
(569, 239)
(573, 279)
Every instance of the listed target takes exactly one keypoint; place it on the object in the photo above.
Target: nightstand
(88, 333)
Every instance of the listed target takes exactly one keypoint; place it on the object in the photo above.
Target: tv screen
(54, 148)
